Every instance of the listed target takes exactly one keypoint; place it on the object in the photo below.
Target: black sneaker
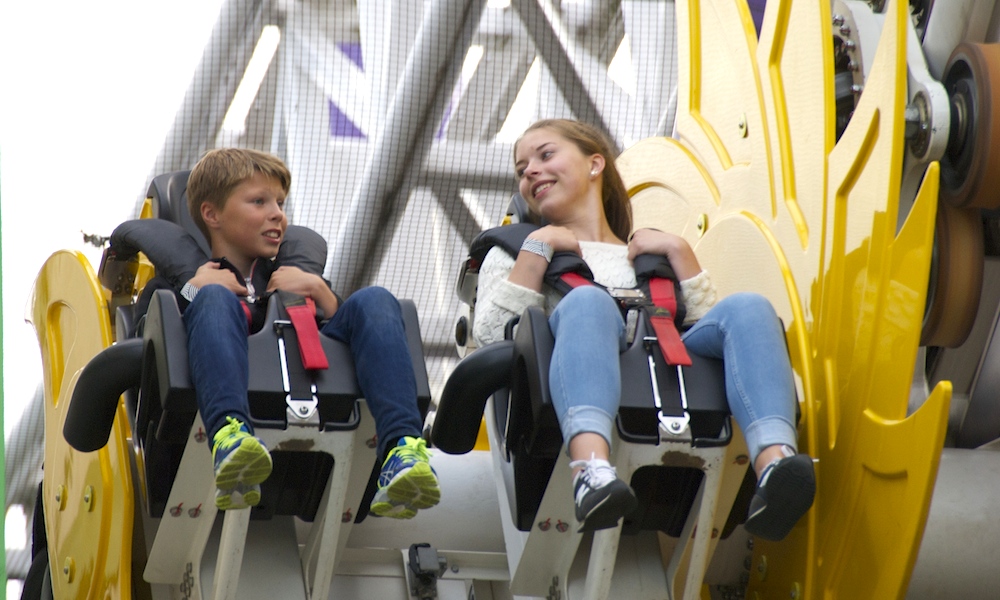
(601, 498)
(785, 492)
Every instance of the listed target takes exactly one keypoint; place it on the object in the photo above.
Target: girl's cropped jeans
(369, 321)
(743, 330)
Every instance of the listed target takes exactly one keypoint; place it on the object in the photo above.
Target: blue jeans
(369, 321)
(742, 329)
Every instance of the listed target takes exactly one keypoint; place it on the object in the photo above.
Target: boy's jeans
(742, 329)
(369, 321)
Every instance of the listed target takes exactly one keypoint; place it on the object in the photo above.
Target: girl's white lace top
(498, 300)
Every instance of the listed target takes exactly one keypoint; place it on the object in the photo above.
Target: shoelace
(596, 472)
(231, 428)
(417, 451)
(766, 473)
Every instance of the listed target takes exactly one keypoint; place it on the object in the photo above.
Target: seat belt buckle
(671, 425)
(630, 297)
(300, 411)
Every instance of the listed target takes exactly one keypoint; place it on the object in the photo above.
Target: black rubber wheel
(970, 167)
(956, 277)
(38, 582)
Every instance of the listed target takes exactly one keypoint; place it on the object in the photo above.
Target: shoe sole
(385, 508)
(790, 494)
(609, 511)
(249, 464)
(416, 487)
(237, 498)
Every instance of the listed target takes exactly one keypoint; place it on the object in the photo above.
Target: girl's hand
(529, 269)
(674, 247)
(560, 238)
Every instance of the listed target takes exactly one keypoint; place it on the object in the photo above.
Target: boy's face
(251, 224)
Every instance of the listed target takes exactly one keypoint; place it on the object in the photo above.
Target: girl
(566, 173)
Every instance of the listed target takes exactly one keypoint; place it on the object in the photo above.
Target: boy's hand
(295, 280)
(211, 272)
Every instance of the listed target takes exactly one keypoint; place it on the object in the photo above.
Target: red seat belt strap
(661, 292)
(575, 279)
(248, 315)
(303, 318)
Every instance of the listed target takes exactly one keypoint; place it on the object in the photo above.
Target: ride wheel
(956, 277)
(970, 167)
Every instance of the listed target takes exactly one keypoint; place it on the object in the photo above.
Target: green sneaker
(241, 464)
(407, 481)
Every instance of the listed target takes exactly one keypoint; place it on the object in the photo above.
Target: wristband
(538, 247)
(188, 292)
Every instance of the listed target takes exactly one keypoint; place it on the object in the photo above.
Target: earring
(593, 173)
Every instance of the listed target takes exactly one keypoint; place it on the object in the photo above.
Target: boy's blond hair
(219, 171)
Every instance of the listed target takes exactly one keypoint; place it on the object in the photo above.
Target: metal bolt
(195, 512)
(61, 497)
(454, 568)
(545, 525)
(69, 570)
(743, 126)
(857, 88)
(303, 410)
(838, 20)
(176, 510)
(702, 224)
(742, 459)
(372, 443)
(561, 527)
(762, 568)
(845, 30)
(849, 44)
(88, 498)
(200, 435)
(346, 517)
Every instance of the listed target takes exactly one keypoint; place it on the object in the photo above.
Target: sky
(88, 91)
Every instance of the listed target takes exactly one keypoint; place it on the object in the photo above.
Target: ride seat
(149, 365)
(515, 373)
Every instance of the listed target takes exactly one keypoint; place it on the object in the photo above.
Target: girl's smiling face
(554, 174)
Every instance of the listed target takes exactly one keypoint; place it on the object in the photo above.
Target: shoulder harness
(660, 299)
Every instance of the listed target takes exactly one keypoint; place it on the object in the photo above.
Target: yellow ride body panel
(87, 496)
(772, 203)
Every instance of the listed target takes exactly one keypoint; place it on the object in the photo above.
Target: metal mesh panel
(397, 119)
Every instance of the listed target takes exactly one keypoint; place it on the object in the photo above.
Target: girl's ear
(596, 164)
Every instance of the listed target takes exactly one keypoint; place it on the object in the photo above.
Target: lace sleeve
(497, 299)
(699, 296)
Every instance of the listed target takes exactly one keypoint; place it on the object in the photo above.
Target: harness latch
(671, 425)
(301, 410)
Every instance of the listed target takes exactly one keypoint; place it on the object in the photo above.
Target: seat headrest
(168, 193)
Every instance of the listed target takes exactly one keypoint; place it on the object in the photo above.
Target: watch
(538, 247)
(188, 292)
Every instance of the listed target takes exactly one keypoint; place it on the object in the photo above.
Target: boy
(237, 199)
